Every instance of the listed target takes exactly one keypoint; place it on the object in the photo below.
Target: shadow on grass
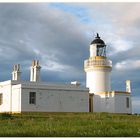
(6, 116)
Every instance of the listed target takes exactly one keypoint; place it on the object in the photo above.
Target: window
(1, 98)
(127, 102)
(32, 98)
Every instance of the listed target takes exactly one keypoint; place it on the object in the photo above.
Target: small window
(1, 98)
(127, 102)
(32, 98)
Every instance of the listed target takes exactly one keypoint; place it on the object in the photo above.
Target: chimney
(16, 74)
(76, 83)
(128, 86)
(35, 71)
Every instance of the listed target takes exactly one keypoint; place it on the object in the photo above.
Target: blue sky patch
(78, 11)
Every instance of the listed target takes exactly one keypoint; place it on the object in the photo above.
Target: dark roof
(97, 40)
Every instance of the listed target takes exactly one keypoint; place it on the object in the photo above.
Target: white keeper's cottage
(18, 96)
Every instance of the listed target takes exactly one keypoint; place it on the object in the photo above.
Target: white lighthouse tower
(98, 68)
(98, 71)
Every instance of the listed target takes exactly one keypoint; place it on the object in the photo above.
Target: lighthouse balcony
(97, 62)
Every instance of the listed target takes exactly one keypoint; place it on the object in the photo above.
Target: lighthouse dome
(98, 41)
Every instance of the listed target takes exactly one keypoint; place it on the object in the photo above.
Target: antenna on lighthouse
(97, 36)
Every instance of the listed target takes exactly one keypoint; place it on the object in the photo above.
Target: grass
(69, 125)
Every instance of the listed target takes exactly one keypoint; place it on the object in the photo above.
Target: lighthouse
(98, 67)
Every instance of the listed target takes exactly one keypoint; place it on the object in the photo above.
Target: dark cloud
(33, 31)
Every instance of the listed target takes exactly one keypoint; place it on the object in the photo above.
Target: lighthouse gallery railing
(102, 62)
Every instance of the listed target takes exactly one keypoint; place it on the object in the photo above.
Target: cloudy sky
(59, 35)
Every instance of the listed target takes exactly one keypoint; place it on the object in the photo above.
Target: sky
(59, 35)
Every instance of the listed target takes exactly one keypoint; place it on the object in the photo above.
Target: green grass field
(69, 125)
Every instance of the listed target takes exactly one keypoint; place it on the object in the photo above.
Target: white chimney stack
(16, 74)
(76, 83)
(35, 71)
(128, 86)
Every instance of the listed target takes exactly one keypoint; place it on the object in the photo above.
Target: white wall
(103, 103)
(120, 103)
(16, 98)
(5, 89)
(51, 100)
(96, 103)
(112, 102)
(107, 103)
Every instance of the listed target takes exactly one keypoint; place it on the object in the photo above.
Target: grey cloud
(31, 28)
